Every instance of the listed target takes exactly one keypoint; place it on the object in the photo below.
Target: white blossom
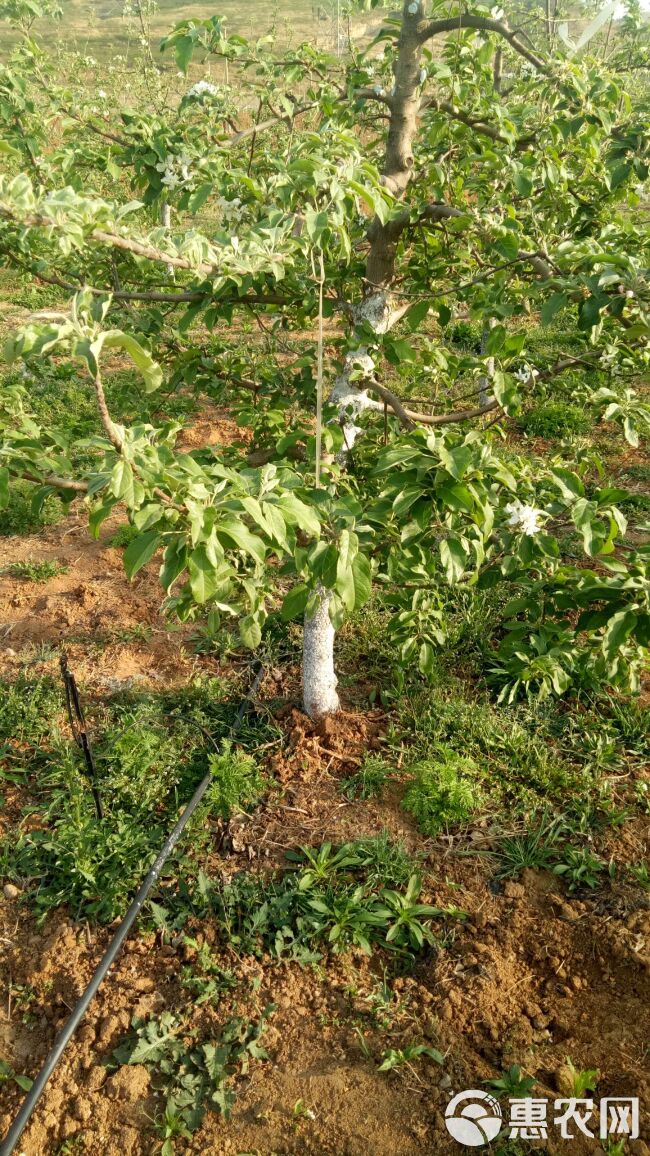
(231, 211)
(527, 374)
(525, 518)
(175, 170)
(101, 94)
(413, 8)
(202, 88)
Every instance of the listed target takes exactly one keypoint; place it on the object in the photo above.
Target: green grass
(34, 571)
(151, 752)
(108, 34)
(21, 518)
(556, 419)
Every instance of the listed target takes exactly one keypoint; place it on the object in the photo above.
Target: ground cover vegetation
(317, 356)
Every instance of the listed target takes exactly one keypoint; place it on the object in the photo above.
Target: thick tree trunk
(381, 310)
(318, 677)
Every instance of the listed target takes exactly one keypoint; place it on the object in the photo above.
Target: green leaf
(398, 350)
(251, 631)
(553, 305)
(426, 664)
(174, 562)
(4, 488)
(140, 551)
(238, 534)
(150, 370)
(417, 314)
(298, 513)
(183, 49)
(454, 559)
(589, 313)
(362, 575)
(523, 183)
(122, 482)
(203, 576)
(198, 199)
(295, 602)
(619, 628)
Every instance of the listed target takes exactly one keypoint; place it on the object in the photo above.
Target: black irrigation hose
(71, 1025)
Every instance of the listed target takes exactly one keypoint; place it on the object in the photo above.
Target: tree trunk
(380, 309)
(318, 677)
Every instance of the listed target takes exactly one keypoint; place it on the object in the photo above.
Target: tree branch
(113, 436)
(50, 480)
(481, 24)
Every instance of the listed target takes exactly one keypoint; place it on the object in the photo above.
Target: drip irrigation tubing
(72, 1023)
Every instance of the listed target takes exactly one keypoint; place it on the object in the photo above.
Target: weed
(369, 781)
(615, 1147)
(641, 873)
(581, 1080)
(149, 760)
(580, 868)
(301, 1112)
(171, 1126)
(24, 515)
(631, 721)
(141, 632)
(206, 979)
(332, 901)
(556, 419)
(642, 795)
(406, 915)
(29, 709)
(511, 1083)
(193, 1074)
(385, 862)
(383, 1004)
(536, 849)
(35, 571)
(444, 792)
(7, 1073)
(236, 781)
(123, 536)
(398, 1057)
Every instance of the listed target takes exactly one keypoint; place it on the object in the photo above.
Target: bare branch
(394, 404)
(113, 436)
(53, 480)
(375, 93)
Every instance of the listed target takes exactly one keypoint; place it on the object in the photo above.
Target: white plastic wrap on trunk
(318, 677)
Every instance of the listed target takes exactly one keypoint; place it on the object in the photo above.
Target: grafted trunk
(318, 677)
